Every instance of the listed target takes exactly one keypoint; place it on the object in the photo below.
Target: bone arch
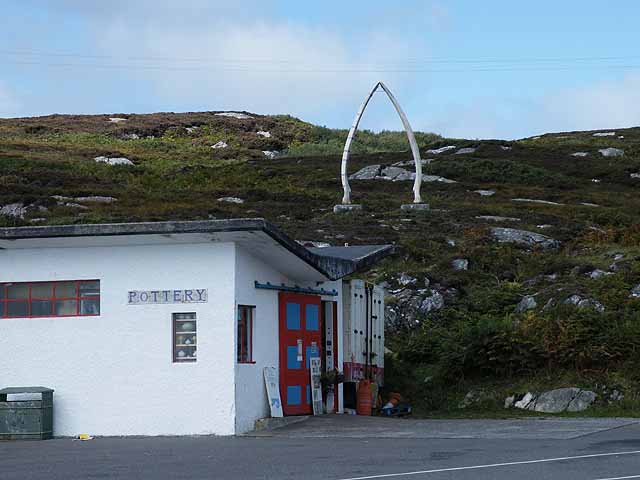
(346, 199)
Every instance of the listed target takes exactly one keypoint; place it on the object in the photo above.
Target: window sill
(247, 363)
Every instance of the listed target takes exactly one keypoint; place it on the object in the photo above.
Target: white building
(165, 328)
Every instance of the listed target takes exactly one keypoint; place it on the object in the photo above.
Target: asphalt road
(341, 449)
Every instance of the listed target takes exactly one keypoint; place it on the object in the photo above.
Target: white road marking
(620, 478)
(494, 465)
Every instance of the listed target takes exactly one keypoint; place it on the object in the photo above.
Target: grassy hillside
(472, 338)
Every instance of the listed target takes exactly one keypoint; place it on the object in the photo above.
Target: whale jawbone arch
(346, 198)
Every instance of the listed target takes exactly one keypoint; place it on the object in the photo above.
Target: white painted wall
(251, 396)
(113, 374)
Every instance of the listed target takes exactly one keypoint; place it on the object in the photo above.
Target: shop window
(50, 299)
(245, 334)
(185, 341)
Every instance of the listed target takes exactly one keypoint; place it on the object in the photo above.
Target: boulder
(530, 200)
(582, 302)
(495, 218)
(438, 151)
(611, 152)
(560, 400)
(231, 200)
(270, 153)
(485, 193)
(634, 175)
(406, 279)
(397, 174)
(597, 274)
(460, 264)
(580, 154)
(113, 160)
(466, 151)
(237, 115)
(367, 173)
(635, 291)
(432, 303)
(527, 303)
(16, 210)
(505, 148)
(220, 144)
(523, 237)
(264, 134)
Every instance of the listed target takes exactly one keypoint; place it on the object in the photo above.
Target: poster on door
(316, 385)
(271, 381)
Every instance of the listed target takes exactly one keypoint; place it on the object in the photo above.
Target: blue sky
(476, 69)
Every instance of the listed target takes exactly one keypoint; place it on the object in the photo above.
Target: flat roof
(331, 262)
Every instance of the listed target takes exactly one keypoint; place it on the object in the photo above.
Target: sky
(461, 68)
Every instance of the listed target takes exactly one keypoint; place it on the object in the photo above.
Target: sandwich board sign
(316, 386)
(273, 391)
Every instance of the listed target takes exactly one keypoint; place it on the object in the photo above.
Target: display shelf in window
(185, 341)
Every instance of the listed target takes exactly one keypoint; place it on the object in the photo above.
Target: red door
(300, 337)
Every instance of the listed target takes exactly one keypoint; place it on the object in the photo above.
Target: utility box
(26, 419)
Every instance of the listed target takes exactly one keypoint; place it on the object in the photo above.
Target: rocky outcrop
(113, 160)
(531, 200)
(523, 237)
(611, 152)
(270, 153)
(496, 218)
(394, 174)
(460, 264)
(527, 303)
(438, 151)
(231, 200)
(466, 151)
(16, 210)
(485, 193)
(582, 302)
(236, 115)
(560, 400)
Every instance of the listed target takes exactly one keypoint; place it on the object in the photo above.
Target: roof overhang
(257, 236)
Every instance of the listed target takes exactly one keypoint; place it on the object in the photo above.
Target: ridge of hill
(524, 274)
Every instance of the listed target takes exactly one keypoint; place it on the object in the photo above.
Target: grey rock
(460, 264)
(270, 153)
(605, 134)
(191, 129)
(130, 136)
(406, 279)
(495, 218)
(634, 175)
(264, 134)
(220, 144)
(113, 160)
(397, 174)
(525, 402)
(616, 396)
(527, 303)
(367, 173)
(485, 193)
(581, 302)
(523, 237)
(509, 401)
(432, 303)
(580, 154)
(587, 204)
(438, 151)
(117, 120)
(596, 180)
(611, 152)
(96, 199)
(237, 115)
(451, 242)
(231, 200)
(544, 226)
(505, 148)
(530, 200)
(16, 210)
(465, 151)
(564, 399)
(350, 208)
(635, 291)
(473, 398)
(74, 205)
(598, 274)
(436, 178)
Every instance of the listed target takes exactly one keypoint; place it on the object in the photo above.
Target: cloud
(611, 104)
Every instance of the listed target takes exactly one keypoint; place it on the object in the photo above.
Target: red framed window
(72, 298)
(245, 333)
